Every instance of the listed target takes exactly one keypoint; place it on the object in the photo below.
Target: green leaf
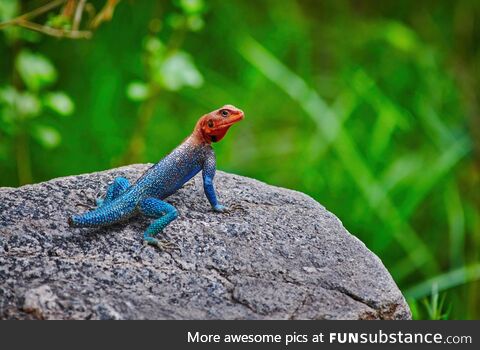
(19, 104)
(137, 91)
(178, 71)
(8, 9)
(35, 70)
(28, 105)
(154, 46)
(400, 36)
(176, 20)
(47, 136)
(191, 6)
(59, 21)
(195, 23)
(8, 95)
(60, 102)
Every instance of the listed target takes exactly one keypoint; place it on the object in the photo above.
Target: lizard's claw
(167, 246)
(237, 207)
(163, 245)
(88, 206)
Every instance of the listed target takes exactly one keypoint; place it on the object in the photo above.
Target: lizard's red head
(214, 125)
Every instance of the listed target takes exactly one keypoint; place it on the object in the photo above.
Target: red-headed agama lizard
(146, 195)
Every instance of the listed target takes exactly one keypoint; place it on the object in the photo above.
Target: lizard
(146, 196)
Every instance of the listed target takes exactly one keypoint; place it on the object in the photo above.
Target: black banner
(241, 334)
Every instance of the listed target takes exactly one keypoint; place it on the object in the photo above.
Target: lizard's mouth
(232, 120)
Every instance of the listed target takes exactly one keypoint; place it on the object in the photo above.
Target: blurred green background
(370, 107)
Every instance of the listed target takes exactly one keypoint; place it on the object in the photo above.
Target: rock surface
(277, 254)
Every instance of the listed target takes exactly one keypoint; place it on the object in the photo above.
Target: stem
(33, 13)
(177, 39)
(78, 15)
(23, 21)
(59, 33)
(105, 14)
(20, 141)
(69, 8)
(22, 155)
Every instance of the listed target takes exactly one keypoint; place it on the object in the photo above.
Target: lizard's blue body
(195, 154)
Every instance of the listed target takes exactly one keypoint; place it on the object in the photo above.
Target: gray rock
(277, 254)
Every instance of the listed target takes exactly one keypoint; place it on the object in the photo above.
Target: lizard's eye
(224, 113)
(210, 123)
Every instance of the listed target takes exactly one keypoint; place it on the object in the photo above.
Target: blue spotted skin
(146, 196)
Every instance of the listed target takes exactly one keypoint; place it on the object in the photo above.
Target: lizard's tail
(105, 215)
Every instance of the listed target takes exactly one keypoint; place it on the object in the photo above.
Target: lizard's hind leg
(164, 213)
(114, 190)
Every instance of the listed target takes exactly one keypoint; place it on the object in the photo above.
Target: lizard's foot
(90, 204)
(163, 245)
(99, 201)
(220, 208)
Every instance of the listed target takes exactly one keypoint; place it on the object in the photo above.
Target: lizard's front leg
(164, 213)
(209, 168)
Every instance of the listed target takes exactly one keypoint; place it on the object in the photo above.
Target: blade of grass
(400, 168)
(451, 279)
(390, 116)
(445, 163)
(456, 223)
(435, 305)
(436, 129)
(425, 184)
(343, 106)
(472, 216)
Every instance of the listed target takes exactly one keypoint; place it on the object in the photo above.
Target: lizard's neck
(198, 139)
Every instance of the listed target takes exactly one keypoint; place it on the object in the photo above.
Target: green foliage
(137, 91)
(191, 7)
(8, 9)
(18, 105)
(60, 103)
(167, 66)
(47, 136)
(177, 71)
(433, 308)
(191, 17)
(444, 281)
(169, 69)
(371, 108)
(59, 21)
(24, 109)
(35, 70)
